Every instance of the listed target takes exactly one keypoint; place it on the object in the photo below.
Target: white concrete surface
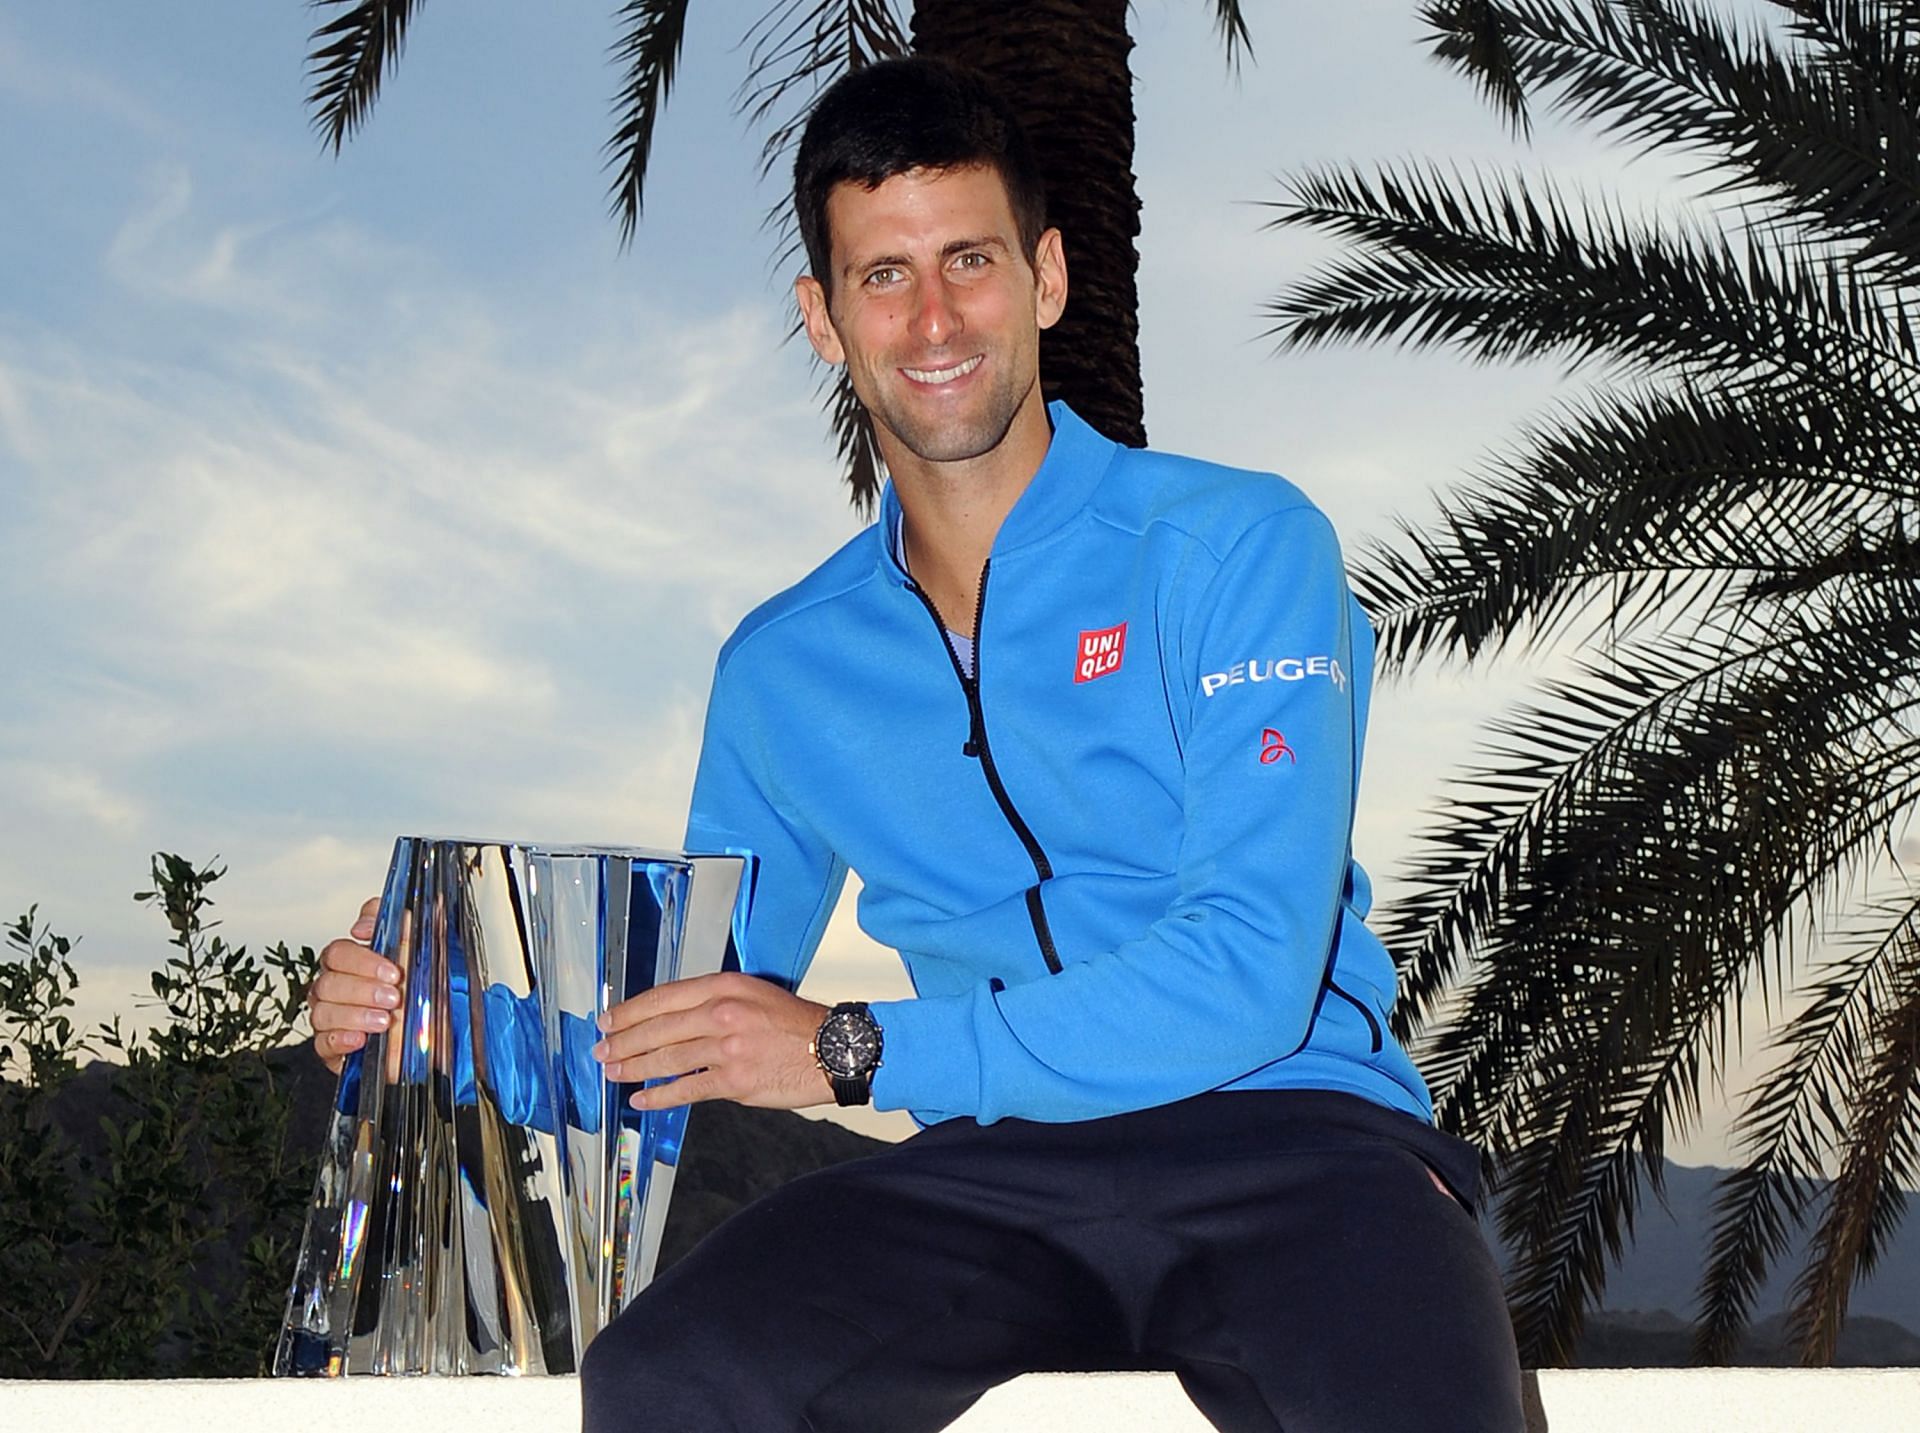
(1599, 1401)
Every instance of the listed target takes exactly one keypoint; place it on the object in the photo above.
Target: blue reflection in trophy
(486, 1201)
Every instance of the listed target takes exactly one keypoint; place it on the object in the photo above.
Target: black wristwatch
(847, 1049)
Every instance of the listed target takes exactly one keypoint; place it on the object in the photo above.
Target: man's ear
(818, 322)
(1049, 278)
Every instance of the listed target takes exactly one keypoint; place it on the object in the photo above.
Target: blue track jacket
(1119, 869)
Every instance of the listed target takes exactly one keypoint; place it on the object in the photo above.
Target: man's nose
(936, 318)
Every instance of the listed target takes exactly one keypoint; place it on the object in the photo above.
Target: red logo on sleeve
(1273, 746)
(1100, 653)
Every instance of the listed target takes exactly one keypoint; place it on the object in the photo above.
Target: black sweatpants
(1286, 1253)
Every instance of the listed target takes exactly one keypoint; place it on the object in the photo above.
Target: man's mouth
(944, 375)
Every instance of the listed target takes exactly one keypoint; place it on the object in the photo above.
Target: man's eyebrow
(947, 251)
(879, 261)
(985, 241)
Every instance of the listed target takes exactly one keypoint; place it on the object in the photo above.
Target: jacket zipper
(977, 746)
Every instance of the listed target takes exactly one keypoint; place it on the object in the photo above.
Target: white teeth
(943, 375)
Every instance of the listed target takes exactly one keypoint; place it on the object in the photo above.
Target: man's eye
(879, 278)
(972, 259)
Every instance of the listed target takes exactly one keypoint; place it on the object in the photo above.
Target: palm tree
(1693, 816)
(1061, 63)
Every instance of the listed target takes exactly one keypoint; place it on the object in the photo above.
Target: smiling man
(1088, 722)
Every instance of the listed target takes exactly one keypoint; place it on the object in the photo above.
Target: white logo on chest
(1277, 669)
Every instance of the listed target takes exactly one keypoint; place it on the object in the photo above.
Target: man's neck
(953, 512)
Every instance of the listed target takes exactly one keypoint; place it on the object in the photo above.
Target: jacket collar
(1076, 460)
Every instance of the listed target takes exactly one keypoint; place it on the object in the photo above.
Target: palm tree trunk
(1063, 66)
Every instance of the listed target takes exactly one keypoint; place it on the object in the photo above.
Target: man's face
(935, 310)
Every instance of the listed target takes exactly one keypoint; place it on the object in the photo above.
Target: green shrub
(150, 1202)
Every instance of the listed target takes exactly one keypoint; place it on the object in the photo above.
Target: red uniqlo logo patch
(1100, 652)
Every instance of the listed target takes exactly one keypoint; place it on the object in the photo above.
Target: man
(1088, 722)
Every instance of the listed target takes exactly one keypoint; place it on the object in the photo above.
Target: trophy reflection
(486, 1201)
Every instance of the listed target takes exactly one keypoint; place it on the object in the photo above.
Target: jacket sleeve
(1228, 979)
(797, 877)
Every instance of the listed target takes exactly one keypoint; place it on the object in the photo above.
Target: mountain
(1631, 1339)
(1660, 1273)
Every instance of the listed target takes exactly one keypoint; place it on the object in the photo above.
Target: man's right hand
(355, 992)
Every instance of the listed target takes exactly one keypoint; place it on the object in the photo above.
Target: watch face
(849, 1044)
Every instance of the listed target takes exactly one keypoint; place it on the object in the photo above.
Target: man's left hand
(716, 1037)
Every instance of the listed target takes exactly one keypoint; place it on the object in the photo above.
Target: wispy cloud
(315, 520)
(45, 79)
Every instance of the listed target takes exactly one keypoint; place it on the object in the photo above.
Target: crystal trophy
(486, 1200)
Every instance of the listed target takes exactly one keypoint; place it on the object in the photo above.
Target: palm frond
(1500, 820)
(1872, 550)
(1898, 18)
(1571, 1193)
(1718, 762)
(1830, 134)
(1471, 36)
(1638, 501)
(1231, 22)
(1542, 960)
(1793, 1120)
(1504, 269)
(1882, 1157)
(1881, 29)
(352, 53)
(651, 35)
(800, 47)
(853, 438)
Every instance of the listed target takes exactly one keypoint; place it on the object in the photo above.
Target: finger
(333, 1047)
(338, 988)
(666, 999)
(650, 1004)
(687, 1090)
(657, 1033)
(351, 958)
(328, 1016)
(670, 1063)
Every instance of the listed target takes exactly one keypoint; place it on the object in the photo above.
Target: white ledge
(1580, 1401)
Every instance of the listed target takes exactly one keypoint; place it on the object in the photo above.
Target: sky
(342, 497)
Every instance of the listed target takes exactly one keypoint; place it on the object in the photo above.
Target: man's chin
(956, 442)
(951, 449)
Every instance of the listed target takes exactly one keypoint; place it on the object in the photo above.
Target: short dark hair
(906, 114)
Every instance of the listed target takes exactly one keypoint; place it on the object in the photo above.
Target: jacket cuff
(929, 1059)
